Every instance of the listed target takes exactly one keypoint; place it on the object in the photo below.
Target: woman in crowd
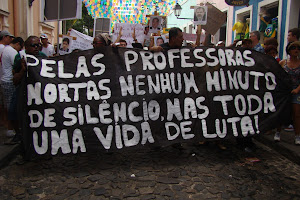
(292, 67)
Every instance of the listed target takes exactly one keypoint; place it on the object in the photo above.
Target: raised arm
(198, 32)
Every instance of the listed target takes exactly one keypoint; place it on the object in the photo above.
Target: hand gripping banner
(121, 98)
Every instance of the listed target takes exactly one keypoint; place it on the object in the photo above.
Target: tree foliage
(84, 25)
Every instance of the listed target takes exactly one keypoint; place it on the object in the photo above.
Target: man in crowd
(101, 40)
(5, 39)
(123, 43)
(47, 48)
(255, 37)
(32, 46)
(175, 41)
(7, 61)
(293, 36)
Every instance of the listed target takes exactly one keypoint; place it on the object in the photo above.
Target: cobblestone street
(197, 172)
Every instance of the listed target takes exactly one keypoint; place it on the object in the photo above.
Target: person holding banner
(5, 39)
(292, 67)
(175, 41)
(32, 45)
(101, 40)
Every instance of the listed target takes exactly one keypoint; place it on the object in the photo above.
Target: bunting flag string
(128, 11)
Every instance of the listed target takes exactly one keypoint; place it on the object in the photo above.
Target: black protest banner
(120, 98)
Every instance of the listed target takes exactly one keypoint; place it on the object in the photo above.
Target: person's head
(255, 37)
(65, 43)
(200, 13)
(146, 30)
(123, 43)
(270, 41)
(294, 48)
(44, 39)
(101, 40)
(32, 45)
(159, 41)
(155, 22)
(17, 43)
(293, 35)
(6, 37)
(175, 37)
(247, 43)
(271, 50)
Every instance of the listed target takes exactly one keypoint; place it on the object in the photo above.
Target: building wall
(23, 20)
(4, 13)
(288, 17)
(187, 12)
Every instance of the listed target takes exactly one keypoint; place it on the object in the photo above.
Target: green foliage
(84, 25)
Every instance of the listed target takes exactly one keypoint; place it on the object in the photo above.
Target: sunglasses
(294, 47)
(97, 43)
(35, 45)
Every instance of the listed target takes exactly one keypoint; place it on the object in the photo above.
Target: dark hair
(104, 37)
(173, 32)
(296, 32)
(155, 18)
(121, 40)
(244, 41)
(271, 41)
(18, 40)
(270, 48)
(256, 33)
(28, 40)
(293, 44)
(66, 40)
(160, 38)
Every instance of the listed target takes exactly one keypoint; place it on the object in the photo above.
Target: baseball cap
(6, 33)
(44, 36)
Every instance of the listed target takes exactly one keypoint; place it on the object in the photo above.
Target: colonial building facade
(22, 18)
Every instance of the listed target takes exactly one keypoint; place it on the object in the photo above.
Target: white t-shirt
(7, 59)
(1, 50)
(49, 51)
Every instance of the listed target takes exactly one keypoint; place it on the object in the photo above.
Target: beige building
(22, 19)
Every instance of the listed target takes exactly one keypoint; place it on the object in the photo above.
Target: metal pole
(58, 16)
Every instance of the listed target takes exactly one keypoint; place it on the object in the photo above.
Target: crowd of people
(13, 66)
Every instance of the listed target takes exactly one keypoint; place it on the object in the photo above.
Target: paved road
(197, 172)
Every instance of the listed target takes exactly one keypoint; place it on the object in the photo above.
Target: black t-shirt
(165, 46)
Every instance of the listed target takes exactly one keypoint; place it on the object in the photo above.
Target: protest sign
(215, 19)
(82, 42)
(200, 15)
(66, 46)
(127, 30)
(68, 9)
(158, 40)
(120, 98)
(237, 2)
(189, 36)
